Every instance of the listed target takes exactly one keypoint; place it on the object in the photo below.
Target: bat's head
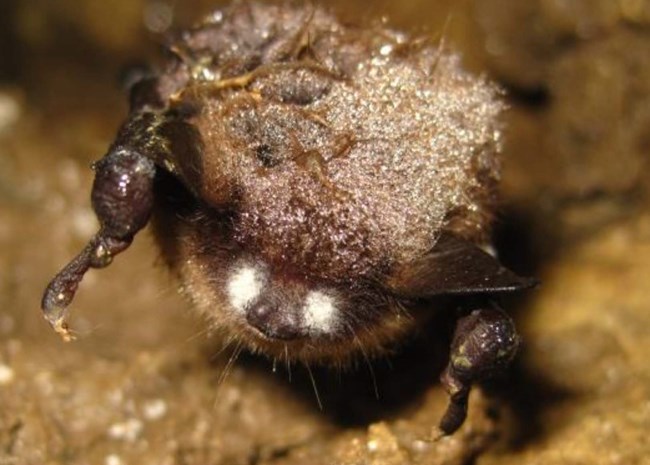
(329, 162)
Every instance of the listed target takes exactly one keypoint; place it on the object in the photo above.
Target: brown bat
(316, 186)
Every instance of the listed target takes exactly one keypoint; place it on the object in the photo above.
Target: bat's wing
(455, 266)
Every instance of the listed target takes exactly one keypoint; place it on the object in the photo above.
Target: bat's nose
(276, 322)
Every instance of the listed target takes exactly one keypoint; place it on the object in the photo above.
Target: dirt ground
(145, 384)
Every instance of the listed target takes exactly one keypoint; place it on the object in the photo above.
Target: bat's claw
(55, 316)
(63, 330)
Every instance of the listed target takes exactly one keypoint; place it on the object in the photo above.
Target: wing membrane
(456, 266)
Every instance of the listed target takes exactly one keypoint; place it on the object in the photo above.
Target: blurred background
(144, 384)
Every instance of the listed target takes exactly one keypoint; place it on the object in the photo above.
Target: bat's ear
(455, 266)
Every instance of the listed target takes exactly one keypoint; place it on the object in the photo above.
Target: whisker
(357, 341)
(226, 371)
(225, 346)
(229, 364)
(313, 383)
(200, 333)
(288, 360)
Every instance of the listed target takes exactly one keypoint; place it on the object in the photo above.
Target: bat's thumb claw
(56, 319)
(61, 327)
(55, 316)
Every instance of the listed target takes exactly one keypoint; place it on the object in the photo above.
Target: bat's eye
(267, 156)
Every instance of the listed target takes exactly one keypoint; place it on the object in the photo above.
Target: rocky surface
(144, 383)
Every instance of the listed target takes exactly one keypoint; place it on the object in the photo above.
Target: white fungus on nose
(320, 312)
(244, 286)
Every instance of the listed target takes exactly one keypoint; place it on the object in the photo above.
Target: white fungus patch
(320, 312)
(244, 286)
